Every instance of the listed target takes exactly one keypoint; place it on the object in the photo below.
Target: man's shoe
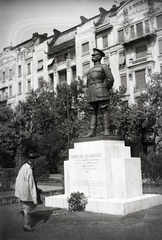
(27, 229)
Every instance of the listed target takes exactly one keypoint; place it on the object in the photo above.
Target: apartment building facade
(130, 35)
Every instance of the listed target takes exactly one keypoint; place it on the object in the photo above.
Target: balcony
(145, 59)
(135, 38)
(66, 63)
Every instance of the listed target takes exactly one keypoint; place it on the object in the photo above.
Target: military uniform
(99, 81)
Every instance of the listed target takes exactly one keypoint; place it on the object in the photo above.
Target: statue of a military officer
(99, 81)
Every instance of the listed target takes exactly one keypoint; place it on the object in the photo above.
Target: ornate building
(130, 35)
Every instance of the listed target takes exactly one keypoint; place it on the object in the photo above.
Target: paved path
(58, 224)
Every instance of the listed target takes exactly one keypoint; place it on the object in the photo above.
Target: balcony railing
(140, 60)
(135, 37)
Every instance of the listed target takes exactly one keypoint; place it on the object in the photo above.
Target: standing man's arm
(109, 79)
(32, 186)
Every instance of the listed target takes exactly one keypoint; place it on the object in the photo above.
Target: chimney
(56, 33)
(102, 10)
(55, 36)
(83, 19)
(35, 35)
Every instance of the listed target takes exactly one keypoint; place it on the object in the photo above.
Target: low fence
(6, 200)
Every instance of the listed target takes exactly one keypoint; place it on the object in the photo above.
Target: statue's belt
(95, 82)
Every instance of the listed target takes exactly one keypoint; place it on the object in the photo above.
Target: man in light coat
(26, 190)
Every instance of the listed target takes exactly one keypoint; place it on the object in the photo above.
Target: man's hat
(99, 51)
(33, 155)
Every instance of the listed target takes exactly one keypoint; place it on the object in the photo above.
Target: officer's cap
(99, 51)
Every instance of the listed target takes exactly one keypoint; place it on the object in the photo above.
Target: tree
(38, 121)
(8, 138)
(71, 107)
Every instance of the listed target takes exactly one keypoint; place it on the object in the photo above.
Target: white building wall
(84, 34)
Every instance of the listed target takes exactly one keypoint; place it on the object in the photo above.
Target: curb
(7, 200)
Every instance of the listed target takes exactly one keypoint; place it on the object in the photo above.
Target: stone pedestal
(103, 169)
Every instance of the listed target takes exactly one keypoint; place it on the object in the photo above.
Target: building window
(86, 67)
(10, 73)
(74, 72)
(10, 90)
(40, 82)
(29, 85)
(121, 58)
(147, 29)
(159, 21)
(19, 70)
(161, 68)
(4, 77)
(123, 81)
(141, 51)
(62, 76)
(160, 46)
(40, 65)
(139, 28)
(140, 79)
(3, 94)
(28, 68)
(85, 48)
(121, 35)
(105, 41)
(51, 79)
(19, 88)
(132, 31)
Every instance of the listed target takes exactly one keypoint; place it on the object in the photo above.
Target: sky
(19, 19)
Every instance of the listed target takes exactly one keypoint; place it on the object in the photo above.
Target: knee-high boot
(93, 125)
(106, 123)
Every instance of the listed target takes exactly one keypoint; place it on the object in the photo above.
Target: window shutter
(19, 70)
(19, 87)
(105, 41)
(139, 29)
(140, 79)
(147, 29)
(121, 58)
(1, 75)
(159, 21)
(132, 31)
(141, 51)
(85, 48)
(123, 81)
(121, 35)
(160, 46)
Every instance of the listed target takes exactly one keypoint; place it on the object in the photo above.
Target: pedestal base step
(114, 206)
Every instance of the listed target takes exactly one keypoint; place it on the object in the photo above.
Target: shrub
(77, 202)
(7, 179)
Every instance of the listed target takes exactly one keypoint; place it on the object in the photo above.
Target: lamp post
(68, 115)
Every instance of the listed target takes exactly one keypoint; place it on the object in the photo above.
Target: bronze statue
(99, 82)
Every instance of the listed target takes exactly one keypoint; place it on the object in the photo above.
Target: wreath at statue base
(77, 202)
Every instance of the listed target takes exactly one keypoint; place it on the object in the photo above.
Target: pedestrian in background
(26, 190)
